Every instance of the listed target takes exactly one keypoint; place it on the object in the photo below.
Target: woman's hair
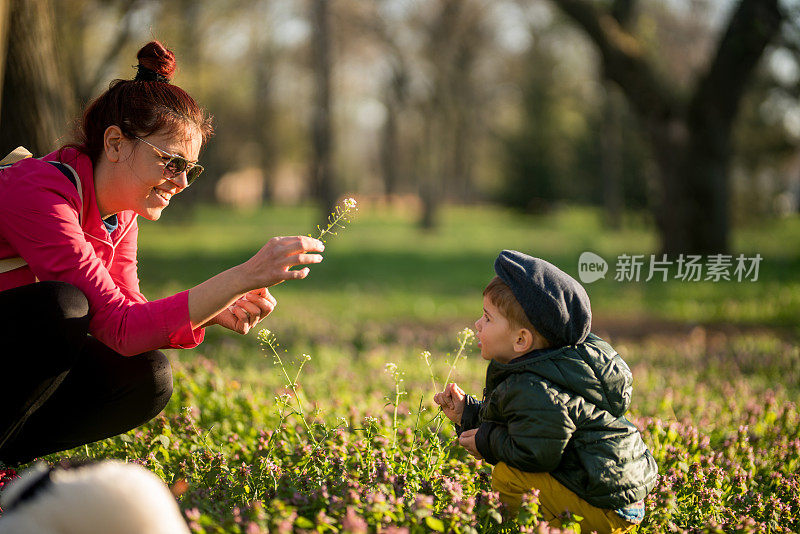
(142, 106)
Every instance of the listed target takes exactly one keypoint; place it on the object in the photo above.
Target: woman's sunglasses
(174, 164)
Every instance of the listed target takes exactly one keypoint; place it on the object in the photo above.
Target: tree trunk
(391, 157)
(4, 14)
(389, 149)
(668, 139)
(430, 188)
(37, 99)
(264, 125)
(690, 137)
(611, 157)
(322, 176)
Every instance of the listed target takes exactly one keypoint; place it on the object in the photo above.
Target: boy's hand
(467, 440)
(452, 402)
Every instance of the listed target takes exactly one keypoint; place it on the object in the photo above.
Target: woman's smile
(163, 195)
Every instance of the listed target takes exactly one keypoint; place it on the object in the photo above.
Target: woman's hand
(244, 314)
(211, 300)
(272, 264)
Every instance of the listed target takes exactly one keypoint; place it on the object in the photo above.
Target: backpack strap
(9, 264)
(72, 176)
(15, 155)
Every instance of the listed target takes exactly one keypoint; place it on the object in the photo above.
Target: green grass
(383, 270)
(714, 399)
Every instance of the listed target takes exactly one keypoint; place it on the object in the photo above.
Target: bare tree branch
(126, 31)
(753, 25)
(623, 58)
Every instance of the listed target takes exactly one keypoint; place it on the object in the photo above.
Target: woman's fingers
(274, 262)
(299, 274)
(264, 305)
(241, 314)
(264, 292)
(287, 246)
(252, 309)
(305, 259)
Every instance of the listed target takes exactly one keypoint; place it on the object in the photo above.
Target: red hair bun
(157, 58)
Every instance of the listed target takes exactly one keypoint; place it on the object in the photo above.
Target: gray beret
(555, 303)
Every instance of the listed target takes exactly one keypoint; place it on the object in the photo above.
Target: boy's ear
(524, 341)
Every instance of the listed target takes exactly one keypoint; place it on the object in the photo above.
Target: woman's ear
(524, 341)
(113, 139)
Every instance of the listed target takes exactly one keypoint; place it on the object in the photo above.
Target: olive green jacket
(562, 411)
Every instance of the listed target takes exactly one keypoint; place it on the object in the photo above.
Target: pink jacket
(39, 222)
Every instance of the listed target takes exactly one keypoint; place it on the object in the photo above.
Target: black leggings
(61, 388)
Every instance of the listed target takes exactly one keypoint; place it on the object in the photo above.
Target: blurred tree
(611, 138)
(263, 53)
(689, 132)
(574, 141)
(611, 157)
(454, 38)
(533, 167)
(394, 89)
(38, 100)
(322, 172)
(91, 67)
(761, 142)
(4, 15)
(439, 72)
(395, 97)
(768, 131)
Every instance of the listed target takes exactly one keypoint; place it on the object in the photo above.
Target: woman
(74, 239)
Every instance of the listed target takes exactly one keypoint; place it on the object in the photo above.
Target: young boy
(553, 412)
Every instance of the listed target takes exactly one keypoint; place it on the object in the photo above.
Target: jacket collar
(591, 369)
(91, 222)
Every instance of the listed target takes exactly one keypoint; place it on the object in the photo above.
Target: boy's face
(495, 336)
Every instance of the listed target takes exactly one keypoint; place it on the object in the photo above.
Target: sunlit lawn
(713, 396)
(384, 270)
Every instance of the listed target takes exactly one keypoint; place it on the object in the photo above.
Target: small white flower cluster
(266, 336)
(426, 354)
(370, 421)
(341, 215)
(465, 336)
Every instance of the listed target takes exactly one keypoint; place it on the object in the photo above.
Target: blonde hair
(503, 298)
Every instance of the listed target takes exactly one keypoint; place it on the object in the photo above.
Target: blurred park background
(463, 127)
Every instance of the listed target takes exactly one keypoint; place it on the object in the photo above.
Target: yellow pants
(554, 500)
